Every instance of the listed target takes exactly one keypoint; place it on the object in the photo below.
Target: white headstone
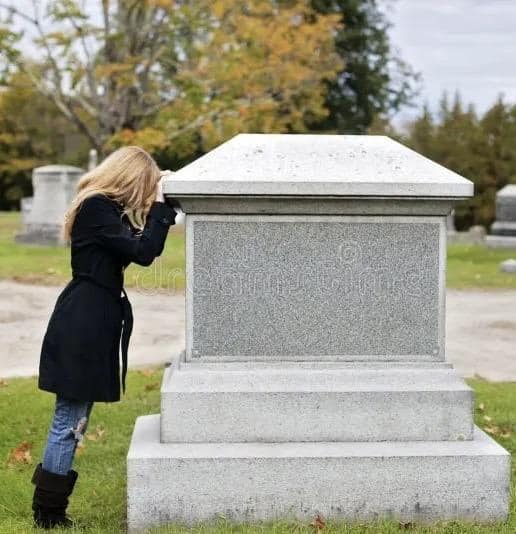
(503, 230)
(508, 266)
(26, 207)
(54, 188)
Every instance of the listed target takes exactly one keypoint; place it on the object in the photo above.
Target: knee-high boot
(51, 497)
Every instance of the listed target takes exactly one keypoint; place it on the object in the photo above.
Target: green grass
(474, 266)
(51, 265)
(98, 503)
(468, 266)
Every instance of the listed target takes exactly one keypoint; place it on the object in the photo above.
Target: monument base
(314, 401)
(362, 481)
(44, 234)
(505, 228)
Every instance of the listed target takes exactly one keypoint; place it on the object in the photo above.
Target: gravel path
(481, 329)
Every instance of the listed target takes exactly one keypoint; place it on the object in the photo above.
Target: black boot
(51, 497)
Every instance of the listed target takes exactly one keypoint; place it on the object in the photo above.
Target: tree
(262, 70)
(32, 133)
(157, 72)
(422, 132)
(375, 81)
(480, 148)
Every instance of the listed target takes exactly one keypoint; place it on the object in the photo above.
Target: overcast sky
(469, 45)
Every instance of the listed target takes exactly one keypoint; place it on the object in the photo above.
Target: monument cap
(253, 164)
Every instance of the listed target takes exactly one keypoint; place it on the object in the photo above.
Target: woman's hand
(159, 188)
(160, 197)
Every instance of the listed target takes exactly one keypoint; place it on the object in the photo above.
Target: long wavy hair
(129, 175)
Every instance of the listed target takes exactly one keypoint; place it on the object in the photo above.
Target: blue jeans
(66, 430)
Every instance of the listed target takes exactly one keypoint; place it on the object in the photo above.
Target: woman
(118, 216)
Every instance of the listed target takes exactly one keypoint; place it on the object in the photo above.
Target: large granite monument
(314, 378)
(503, 230)
(54, 188)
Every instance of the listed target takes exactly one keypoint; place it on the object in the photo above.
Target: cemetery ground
(98, 504)
(99, 501)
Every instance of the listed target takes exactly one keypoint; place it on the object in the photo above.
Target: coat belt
(127, 317)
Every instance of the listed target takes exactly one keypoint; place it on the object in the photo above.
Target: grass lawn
(51, 265)
(468, 266)
(98, 503)
(474, 266)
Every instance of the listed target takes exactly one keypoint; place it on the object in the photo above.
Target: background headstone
(25, 207)
(54, 187)
(450, 223)
(503, 230)
(475, 235)
(508, 266)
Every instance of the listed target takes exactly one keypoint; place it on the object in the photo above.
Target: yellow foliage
(164, 4)
(262, 69)
(151, 139)
(122, 73)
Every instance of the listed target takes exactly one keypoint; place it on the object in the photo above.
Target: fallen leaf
(506, 434)
(21, 454)
(81, 449)
(487, 418)
(151, 386)
(481, 407)
(318, 523)
(406, 525)
(96, 434)
(3, 383)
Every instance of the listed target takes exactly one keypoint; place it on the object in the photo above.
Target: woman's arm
(101, 218)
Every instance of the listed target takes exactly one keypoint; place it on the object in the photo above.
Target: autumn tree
(158, 72)
(32, 133)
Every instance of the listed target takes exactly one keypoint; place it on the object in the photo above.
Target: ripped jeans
(67, 429)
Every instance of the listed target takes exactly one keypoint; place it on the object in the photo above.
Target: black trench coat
(81, 348)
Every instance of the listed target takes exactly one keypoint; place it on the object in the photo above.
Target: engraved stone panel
(307, 287)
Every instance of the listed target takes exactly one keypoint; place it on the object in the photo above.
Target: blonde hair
(129, 175)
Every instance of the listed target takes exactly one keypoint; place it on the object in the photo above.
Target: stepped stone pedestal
(314, 378)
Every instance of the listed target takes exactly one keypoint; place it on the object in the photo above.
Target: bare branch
(150, 110)
(55, 67)
(201, 119)
(90, 109)
(18, 13)
(63, 106)
(154, 52)
(89, 63)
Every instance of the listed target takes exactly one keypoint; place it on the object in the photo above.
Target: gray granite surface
(314, 288)
(308, 164)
